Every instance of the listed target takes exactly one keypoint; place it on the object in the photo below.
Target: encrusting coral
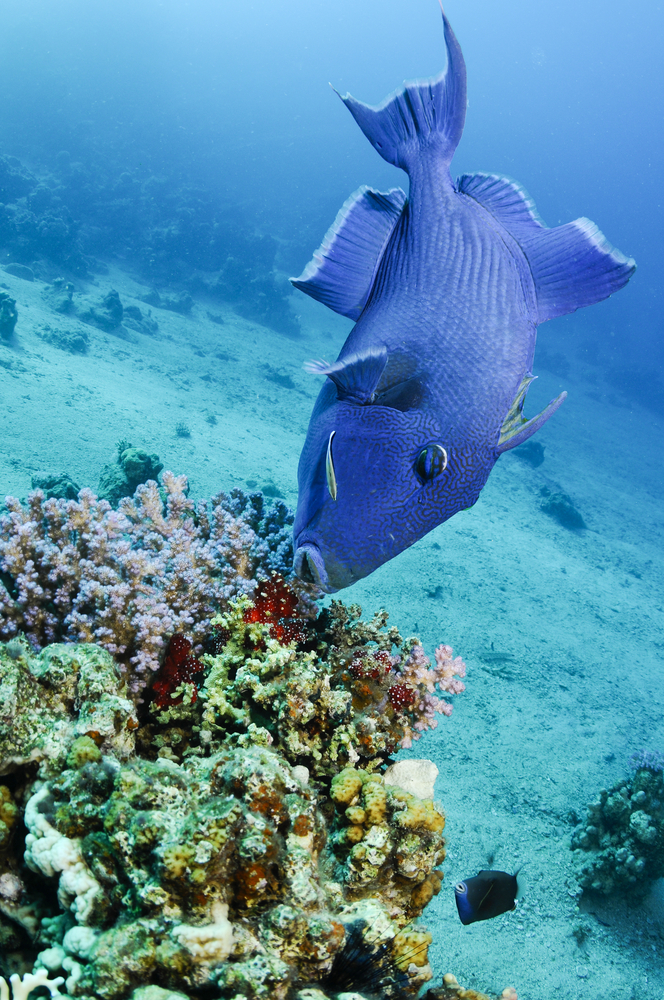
(79, 571)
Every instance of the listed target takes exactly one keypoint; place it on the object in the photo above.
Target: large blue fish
(447, 287)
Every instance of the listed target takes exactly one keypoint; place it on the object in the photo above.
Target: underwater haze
(165, 167)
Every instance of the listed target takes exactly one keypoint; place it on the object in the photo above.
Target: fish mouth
(309, 565)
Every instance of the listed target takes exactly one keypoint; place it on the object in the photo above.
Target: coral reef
(76, 570)
(192, 855)
(60, 487)
(620, 846)
(178, 233)
(342, 698)
(197, 792)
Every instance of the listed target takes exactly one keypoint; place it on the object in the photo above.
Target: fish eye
(430, 462)
(329, 469)
(461, 888)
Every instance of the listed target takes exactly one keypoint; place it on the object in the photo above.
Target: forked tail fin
(425, 117)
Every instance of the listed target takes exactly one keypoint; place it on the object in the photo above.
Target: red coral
(179, 667)
(275, 605)
(401, 696)
(383, 660)
(372, 665)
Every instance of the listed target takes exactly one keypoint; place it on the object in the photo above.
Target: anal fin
(516, 429)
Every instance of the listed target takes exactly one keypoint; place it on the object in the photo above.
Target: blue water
(160, 144)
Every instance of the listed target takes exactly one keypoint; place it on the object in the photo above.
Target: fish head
(374, 477)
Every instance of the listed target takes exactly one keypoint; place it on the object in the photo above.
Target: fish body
(448, 286)
(485, 895)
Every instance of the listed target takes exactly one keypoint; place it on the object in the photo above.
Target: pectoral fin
(516, 429)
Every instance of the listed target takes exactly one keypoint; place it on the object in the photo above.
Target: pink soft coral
(422, 681)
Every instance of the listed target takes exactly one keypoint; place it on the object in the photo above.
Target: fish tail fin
(425, 115)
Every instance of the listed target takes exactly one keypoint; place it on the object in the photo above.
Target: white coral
(51, 853)
(208, 943)
(22, 988)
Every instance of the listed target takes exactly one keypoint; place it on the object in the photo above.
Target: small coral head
(401, 696)
(272, 600)
(275, 604)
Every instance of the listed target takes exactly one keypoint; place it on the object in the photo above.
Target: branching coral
(332, 697)
(22, 988)
(78, 571)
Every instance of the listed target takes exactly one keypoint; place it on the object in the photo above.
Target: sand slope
(561, 630)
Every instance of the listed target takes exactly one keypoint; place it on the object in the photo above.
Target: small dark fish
(486, 895)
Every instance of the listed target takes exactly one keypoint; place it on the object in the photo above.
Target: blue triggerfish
(485, 895)
(447, 287)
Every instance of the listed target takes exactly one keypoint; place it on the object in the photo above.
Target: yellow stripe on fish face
(329, 469)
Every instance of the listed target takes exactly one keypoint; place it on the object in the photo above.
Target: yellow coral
(83, 751)
(419, 813)
(410, 947)
(8, 814)
(353, 834)
(346, 785)
(423, 893)
(375, 801)
(177, 858)
(356, 815)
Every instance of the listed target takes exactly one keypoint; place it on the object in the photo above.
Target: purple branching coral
(651, 760)
(79, 571)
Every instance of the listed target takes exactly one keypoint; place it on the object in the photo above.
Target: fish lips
(312, 566)
(309, 565)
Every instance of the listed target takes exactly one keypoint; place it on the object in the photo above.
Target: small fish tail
(425, 115)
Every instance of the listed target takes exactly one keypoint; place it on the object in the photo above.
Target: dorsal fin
(572, 265)
(505, 199)
(357, 376)
(342, 272)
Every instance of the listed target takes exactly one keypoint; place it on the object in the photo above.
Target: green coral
(49, 699)
(620, 846)
(314, 708)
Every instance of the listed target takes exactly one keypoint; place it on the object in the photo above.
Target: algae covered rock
(132, 467)
(213, 871)
(50, 698)
(8, 315)
(60, 486)
(620, 846)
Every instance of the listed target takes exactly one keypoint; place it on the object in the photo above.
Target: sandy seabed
(562, 631)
